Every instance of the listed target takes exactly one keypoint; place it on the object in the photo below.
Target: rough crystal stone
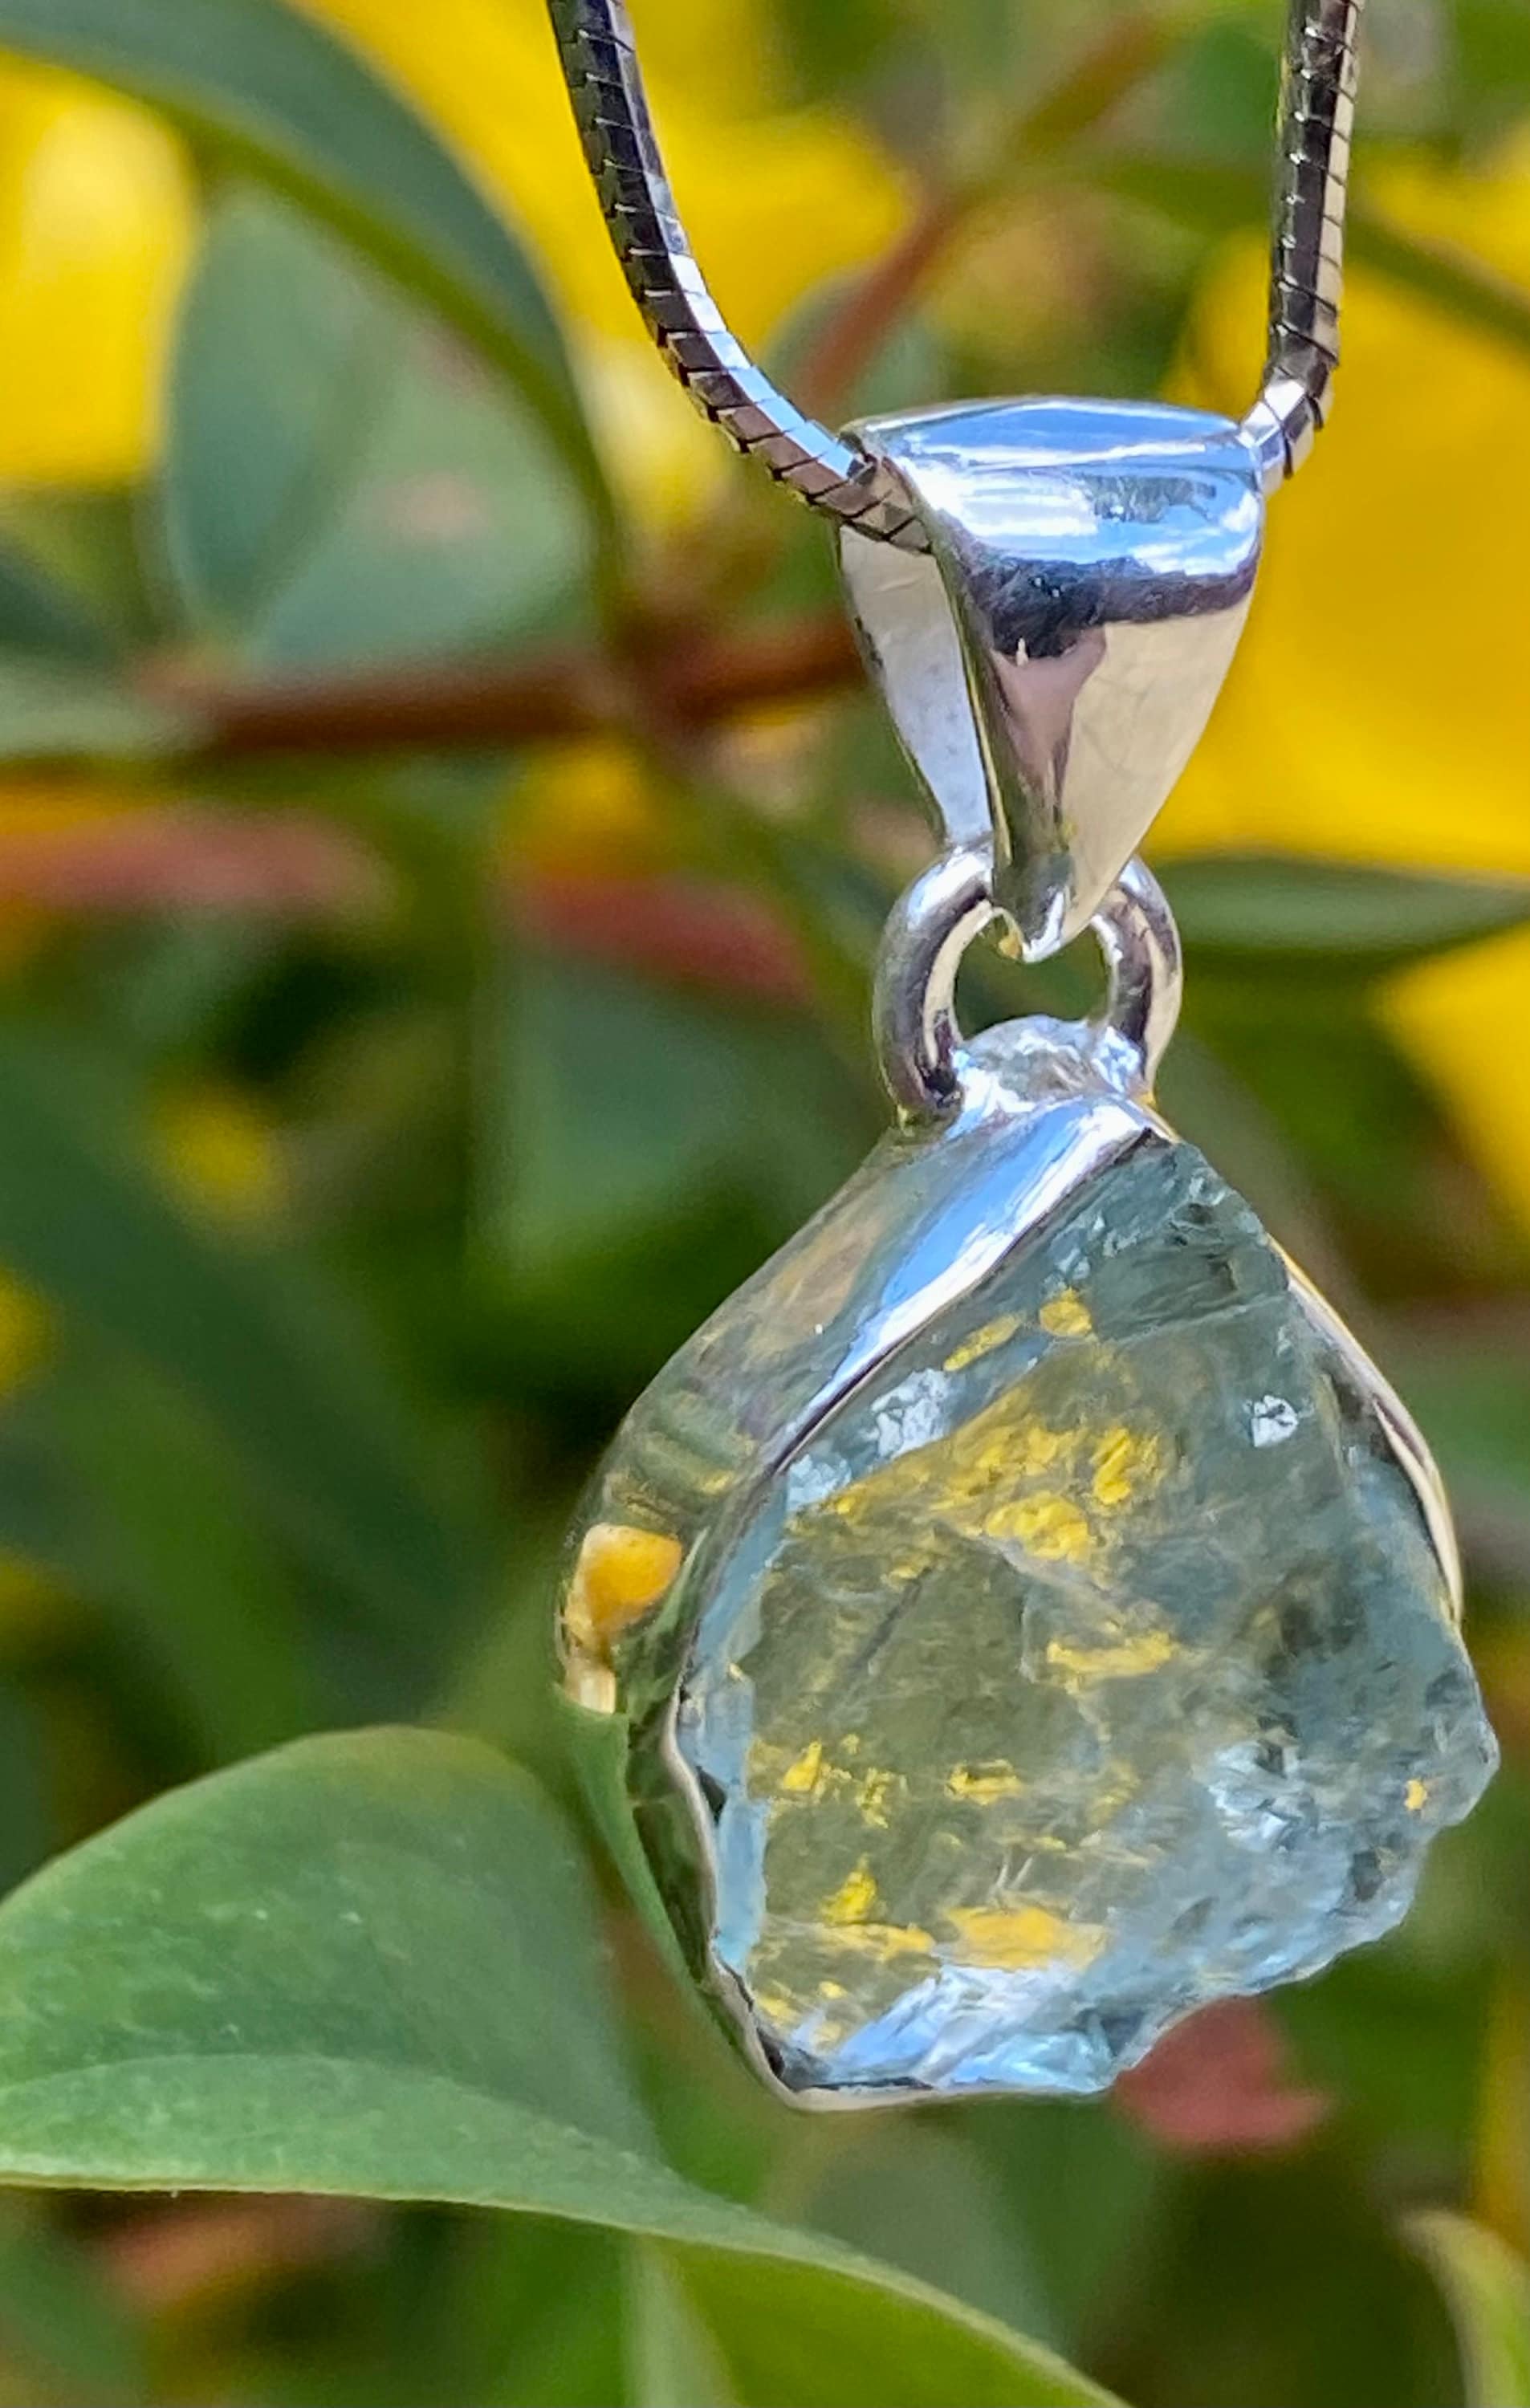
(1087, 1661)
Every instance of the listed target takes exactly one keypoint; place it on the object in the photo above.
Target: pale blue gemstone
(1091, 1661)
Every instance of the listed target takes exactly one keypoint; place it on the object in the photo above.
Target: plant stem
(1089, 87)
(696, 681)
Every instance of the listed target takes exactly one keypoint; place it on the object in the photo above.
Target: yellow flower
(1380, 708)
(222, 1150)
(1457, 1018)
(586, 804)
(776, 201)
(96, 216)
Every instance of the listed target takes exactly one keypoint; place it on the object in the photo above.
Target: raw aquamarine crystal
(1085, 1658)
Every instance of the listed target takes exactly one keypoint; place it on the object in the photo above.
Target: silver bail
(1052, 661)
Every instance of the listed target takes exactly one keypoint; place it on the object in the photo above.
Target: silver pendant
(1031, 1614)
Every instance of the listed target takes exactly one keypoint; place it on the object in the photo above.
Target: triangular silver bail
(1052, 661)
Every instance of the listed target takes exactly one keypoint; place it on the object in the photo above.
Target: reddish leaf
(702, 932)
(1221, 2083)
(185, 858)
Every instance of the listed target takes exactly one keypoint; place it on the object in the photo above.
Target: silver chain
(1316, 121)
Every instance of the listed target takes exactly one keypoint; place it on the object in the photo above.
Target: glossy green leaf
(267, 85)
(285, 1376)
(341, 483)
(1488, 2288)
(1333, 914)
(367, 1964)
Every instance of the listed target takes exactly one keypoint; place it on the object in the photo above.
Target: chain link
(1316, 120)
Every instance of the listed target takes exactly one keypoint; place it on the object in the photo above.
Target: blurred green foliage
(412, 1021)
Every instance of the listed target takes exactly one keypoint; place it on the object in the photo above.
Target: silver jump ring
(927, 934)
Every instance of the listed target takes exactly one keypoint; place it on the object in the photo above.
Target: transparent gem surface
(1088, 1662)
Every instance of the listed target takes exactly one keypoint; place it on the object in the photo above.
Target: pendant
(1029, 1613)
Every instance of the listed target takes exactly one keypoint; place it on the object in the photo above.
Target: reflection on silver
(1306, 265)
(928, 932)
(1053, 659)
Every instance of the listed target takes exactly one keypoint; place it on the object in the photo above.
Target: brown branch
(847, 344)
(694, 682)
(1089, 88)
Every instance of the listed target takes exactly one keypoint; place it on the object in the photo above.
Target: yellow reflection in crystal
(984, 1783)
(1066, 1315)
(1416, 1796)
(1118, 1660)
(801, 1777)
(622, 1572)
(875, 1791)
(982, 1341)
(884, 1940)
(853, 1899)
(1050, 1527)
(1122, 1462)
(1018, 1938)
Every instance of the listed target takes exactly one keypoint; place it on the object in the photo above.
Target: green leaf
(62, 2326)
(164, 1531)
(873, 2189)
(28, 1810)
(98, 596)
(367, 1965)
(267, 85)
(1211, 197)
(625, 1103)
(673, 2358)
(285, 1376)
(1492, 45)
(597, 1747)
(1336, 915)
(1453, 279)
(1471, 1388)
(39, 614)
(275, 353)
(1488, 2287)
(339, 484)
(60, 710)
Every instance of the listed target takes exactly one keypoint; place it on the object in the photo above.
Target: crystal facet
(1082, 1651)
